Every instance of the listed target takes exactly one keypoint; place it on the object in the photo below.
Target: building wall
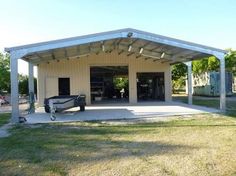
(78, 70)
(234, 85)
(208, 83)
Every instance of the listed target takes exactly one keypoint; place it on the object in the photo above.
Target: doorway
(150, 86)
(64, 86)
(109, 84)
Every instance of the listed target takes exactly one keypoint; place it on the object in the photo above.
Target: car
(3, 100)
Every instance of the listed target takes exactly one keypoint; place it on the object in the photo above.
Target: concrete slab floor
(161, 110)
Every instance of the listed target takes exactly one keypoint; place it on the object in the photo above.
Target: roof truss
(130, 41)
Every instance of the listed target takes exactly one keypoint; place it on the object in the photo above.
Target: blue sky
(209, 22)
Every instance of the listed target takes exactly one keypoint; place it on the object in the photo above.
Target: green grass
(198, 145)
(211, 103)
(4, 118)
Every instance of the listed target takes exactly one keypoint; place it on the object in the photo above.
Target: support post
(14, 56)
(31, 87)
(31, 77)
(221, 58)
(190, 86)
(14, 88)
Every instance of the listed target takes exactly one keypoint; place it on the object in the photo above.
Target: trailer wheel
(82, 108)
(53, 117)
(47, 109)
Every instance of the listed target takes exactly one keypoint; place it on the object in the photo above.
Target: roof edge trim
(121, 33)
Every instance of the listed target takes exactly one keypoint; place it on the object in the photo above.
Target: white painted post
(186, 86)
(132, 85)
(190, 86)
(14, 88)
(31, 82)
(31, 77)
(221, 58)
(168, 85)
(14, 56)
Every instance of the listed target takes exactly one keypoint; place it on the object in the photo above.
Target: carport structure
(130, 43)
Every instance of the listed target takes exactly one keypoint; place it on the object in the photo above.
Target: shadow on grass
(199, 120)
(4, 118)
(56, 147)
(48, 146)
(231, 113)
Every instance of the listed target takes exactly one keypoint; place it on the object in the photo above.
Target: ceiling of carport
(128, 42)
(139, 48)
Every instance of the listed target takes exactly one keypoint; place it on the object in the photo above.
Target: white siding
(78, 70)
(51, 86)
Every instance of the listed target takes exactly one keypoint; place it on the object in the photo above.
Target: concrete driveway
(158, 110)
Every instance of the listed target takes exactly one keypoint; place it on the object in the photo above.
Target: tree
(205, 65)
(5, 83)
(208, 64)
(213, 64)
(4, 72)
(230, 61)
(23, 84)
(179, 72)
(121, 83)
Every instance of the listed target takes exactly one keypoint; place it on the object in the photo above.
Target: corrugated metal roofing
(125, 41)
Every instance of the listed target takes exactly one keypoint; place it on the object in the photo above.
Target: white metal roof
(125, 41)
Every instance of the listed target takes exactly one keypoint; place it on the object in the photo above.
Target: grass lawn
(4, 118)
(208, 102)
(198, 145)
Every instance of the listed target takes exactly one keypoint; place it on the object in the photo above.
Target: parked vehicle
(3, 100)
(62, 103)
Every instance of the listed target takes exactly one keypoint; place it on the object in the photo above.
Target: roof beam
(90, 47)
(134, 41)
(103, 46)
(143, 47)
(183, 53)
(177, 43)
(153, 49)
(129, 48)
(174, 50)
(66, 54)
(119, 53)
(131, 53)
(161, 48)
(141, 50)
(151, 56)
(53, 56)
(138, 56)
(113, 46)
(146, 44)
(50, 45)
(166, 61)
(60, 58)
(123, 48)
(124, 33)
(38, 55)
(119, 41)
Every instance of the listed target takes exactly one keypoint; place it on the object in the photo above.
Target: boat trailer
(57, 104)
